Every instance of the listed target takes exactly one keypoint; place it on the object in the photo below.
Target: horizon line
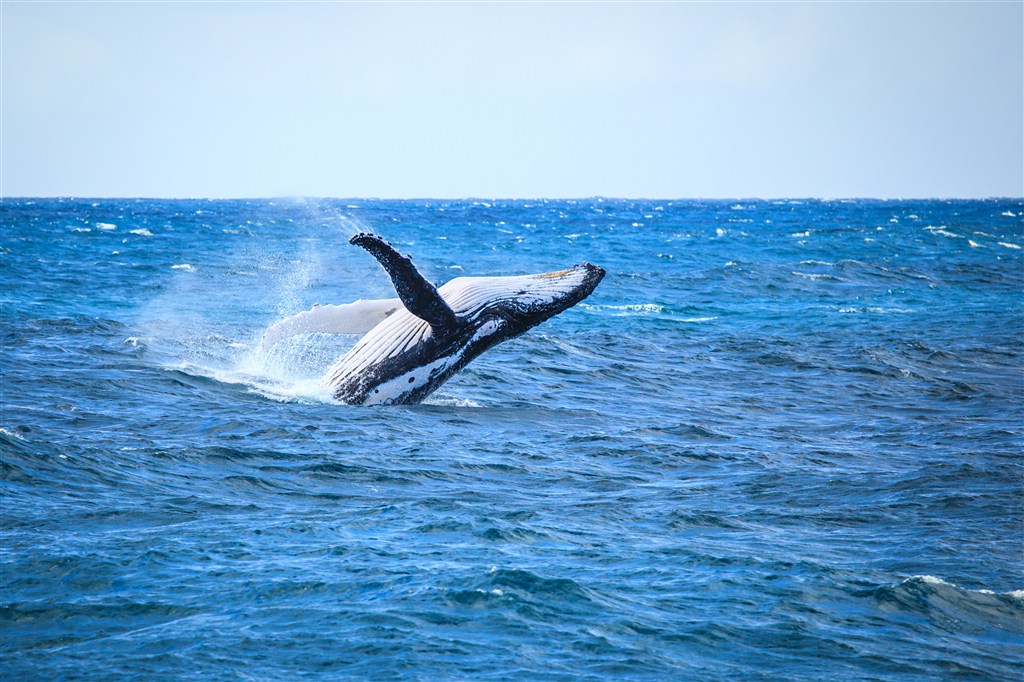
(598, 197)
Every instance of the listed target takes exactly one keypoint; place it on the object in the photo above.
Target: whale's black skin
(440, 330)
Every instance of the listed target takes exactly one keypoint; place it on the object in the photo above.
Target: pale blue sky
(205, 99)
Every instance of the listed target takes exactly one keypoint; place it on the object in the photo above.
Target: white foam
(801, 234)
(880, 311)
(270, 380)
(941, 230)
(184, 266)
(632, 307)
(450, 401)
(11, 434)
(106, 226)
(142, 232)
(973, 243)
(939, 582)
(1009, 245)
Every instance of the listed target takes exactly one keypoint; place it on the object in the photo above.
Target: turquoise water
(781, 441)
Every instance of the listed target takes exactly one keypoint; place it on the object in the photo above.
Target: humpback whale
(416, 342)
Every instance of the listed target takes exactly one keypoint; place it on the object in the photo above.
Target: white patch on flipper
(349, 318)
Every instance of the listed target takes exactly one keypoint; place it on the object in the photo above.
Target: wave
(941, 230)
(450, 401)
(953, 607)
(817, 277)
(874, 310)
(628, 308)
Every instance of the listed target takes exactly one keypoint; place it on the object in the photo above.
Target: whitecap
(142, 232)
(450, 401)
(940, 583)
(631, 308)
(106, 226)
(82, 229)
(880, 311)
(801, 234)
(184, 266)
(815, 276)
(1009, 245)
(941, 229)
(973, 243)
(720, 232)
(11, 434)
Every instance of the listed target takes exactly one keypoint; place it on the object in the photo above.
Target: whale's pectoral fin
(349, 318)
(419, 296)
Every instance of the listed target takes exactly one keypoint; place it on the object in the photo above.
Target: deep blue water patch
(781, 441)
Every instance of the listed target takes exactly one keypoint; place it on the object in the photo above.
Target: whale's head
(501, 308)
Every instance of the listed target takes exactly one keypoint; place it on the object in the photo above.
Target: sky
(512, 100)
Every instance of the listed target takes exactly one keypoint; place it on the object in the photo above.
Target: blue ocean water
(781, 441)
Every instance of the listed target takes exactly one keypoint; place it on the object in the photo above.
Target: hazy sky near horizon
(209, 99)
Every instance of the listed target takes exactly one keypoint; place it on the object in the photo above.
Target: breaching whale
(416, 342)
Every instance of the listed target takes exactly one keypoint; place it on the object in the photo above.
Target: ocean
(781, 441)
